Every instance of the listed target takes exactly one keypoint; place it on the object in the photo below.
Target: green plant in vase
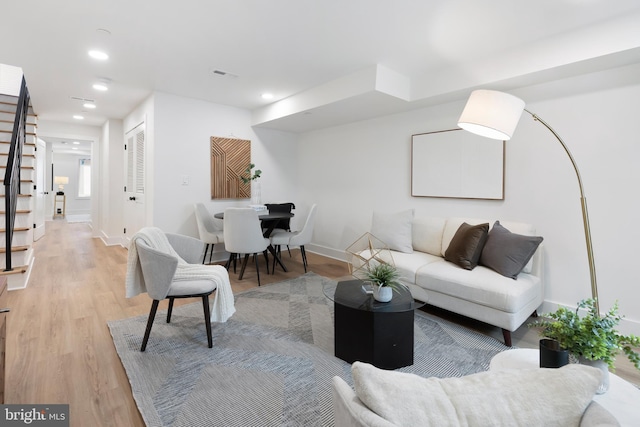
(386, 279)
(591, 336)
(256, 190)
(252, 175)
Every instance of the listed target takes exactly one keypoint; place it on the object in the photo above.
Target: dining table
(269, 218)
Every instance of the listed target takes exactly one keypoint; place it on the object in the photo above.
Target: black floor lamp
(494, 114)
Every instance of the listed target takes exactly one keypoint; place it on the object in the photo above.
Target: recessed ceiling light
(267, 96)
(76, 143)
(100, 86)
(99, 55)
(89, 105)
(78, 117)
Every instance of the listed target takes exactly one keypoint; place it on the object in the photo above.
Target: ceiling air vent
(224, 74)
(77, 98)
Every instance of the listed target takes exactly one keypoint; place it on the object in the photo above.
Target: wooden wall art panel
(229, 160)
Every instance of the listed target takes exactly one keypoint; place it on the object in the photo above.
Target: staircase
(21, 247)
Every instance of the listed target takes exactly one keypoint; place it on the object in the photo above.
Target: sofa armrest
(596, 416)
(349, 411)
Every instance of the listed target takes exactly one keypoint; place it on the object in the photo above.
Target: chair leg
(170, 310)
(255, 257)
(276, 248)
(289, 249)
(152, 316)
(206, 248)
(207, 318)
(244, 265)
(210, 253)
(232, 258)
(266, 258)
(304, 257)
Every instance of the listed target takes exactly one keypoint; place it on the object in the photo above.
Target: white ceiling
(327, 62)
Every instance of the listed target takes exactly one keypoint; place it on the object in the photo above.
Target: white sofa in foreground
(525, 397)
(503, 290)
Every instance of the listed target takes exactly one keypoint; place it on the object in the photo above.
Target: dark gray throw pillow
(466, 245)
(507, 253)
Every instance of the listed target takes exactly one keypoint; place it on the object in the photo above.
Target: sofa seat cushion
(524, 397)
(409, 264)
(481, 285)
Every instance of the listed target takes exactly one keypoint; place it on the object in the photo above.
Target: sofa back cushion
(427, 234)
(526, 397)
(394, 229)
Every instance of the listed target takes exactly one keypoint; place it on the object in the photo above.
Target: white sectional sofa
(418, 247)
(517, 397)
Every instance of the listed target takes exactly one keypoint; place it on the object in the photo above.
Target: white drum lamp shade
(61, 181)
(491, 114)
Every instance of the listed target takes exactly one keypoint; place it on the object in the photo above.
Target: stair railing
(12, 174)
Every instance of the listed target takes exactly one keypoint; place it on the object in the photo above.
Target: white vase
(382, 293)
(256, 193)
(604, 385)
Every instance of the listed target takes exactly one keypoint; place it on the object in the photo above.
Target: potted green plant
(591, 338)
(251, 175)
(385, 278)
(256, 196)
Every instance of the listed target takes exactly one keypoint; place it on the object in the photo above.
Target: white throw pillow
(394, 229)
(525, 397)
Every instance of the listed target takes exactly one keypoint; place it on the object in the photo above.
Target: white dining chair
(209, 229)
(296, 238)
(243, 235)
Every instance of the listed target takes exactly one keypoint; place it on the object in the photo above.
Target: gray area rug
(271, 364)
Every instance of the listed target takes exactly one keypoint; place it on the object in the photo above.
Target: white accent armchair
(158, 270)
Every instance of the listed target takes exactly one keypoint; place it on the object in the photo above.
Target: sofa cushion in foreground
(527, 397)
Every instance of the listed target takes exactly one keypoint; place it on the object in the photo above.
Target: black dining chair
(283, 224)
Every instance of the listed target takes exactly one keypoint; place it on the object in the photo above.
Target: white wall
(352, 170)
(67, 165)
(111, 183)
(178, 136)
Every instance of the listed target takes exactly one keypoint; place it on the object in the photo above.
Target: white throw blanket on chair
(223, 303)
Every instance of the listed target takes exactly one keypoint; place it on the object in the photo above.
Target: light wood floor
(59, 349)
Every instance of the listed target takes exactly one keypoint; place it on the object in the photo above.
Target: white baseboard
(328, 252)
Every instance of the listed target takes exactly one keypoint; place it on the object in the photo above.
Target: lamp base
(60, 193)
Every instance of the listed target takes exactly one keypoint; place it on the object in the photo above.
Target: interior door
(134, 190)
(40, 191)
